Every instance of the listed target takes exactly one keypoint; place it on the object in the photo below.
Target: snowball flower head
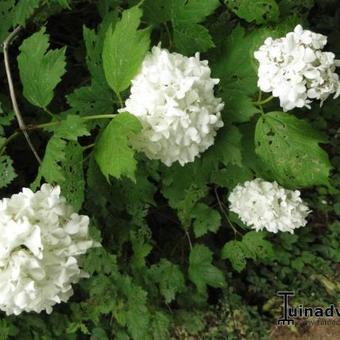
(266, 205)
(173, 97)
(296, 70)
(40, 242)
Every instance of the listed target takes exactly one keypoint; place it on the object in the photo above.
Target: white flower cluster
(173, 97)
(40, 241)
(296, 70)
(266, 205)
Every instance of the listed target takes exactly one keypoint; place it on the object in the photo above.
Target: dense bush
(175, 262)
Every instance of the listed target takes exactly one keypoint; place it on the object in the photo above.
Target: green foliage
(227, 149)
(189, 36)
(73, 187)
(201, 270)
(95, 98)
(14, 13)
(40, 70)
(174, 262)
(50, 168)
(290, 148)
(23, 10)
(124, 49)
(236, 68)
(7, 172)
(113, 153)
(169, 278)
(260, 11)
(205, 219)
(252, 246)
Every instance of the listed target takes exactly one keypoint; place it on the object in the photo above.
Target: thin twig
(220, 204)
(16, 109)
(189, 239)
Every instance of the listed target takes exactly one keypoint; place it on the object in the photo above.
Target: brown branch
(16, 109)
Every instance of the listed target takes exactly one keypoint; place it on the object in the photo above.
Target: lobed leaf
(290, 149)
(205, 219)
(40, 70)
(7, 172)
(112, 152)
(124, 49)
(201, 270)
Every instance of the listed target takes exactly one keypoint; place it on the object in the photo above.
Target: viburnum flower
(173, 97)
(41, 240)
(296, 70)
(266, 205)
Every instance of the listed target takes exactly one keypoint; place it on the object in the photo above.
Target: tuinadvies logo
(289, 314)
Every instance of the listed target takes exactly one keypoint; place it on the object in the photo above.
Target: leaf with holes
(260, 11)
(50, 167)
(290, 148)
(7, 172)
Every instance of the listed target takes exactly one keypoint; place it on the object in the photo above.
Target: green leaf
(136, 312)
(7, 172)
(50, 167)
(98, 334)
(233, 251)
(238, 73)
(290, 148)
(63, 3)
(24, 9)
(141, 249)
(124, 49)
(71, 128)
(91, 100)
(231, 176)
(14, 13)
(169, 277)
(40, 70)
(227, 147)
(112, 152)
(193, 11)
(205, 219)
(97, 97)
(5, 119)
(160, 326)
(94, 43)
(260, 11)
(191, 38)
(157, 12)
(253, 246)
(201, 270)
(6, 18)
(181, 12)
(72, 167)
